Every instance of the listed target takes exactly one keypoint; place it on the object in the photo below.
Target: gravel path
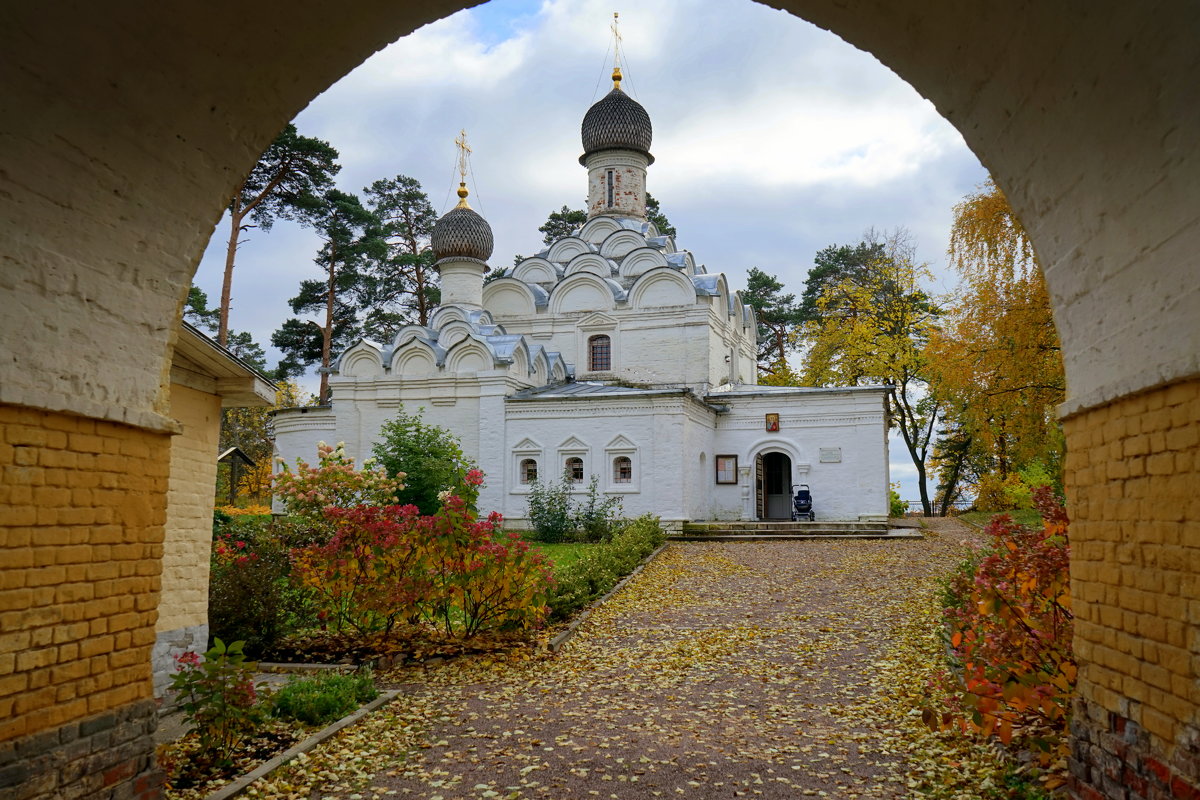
(757, 669)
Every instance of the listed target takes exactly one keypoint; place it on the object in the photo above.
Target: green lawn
(1024, 516)
(561, 554)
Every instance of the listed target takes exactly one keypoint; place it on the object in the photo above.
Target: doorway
(774, 485)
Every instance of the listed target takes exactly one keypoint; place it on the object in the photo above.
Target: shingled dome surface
(462, 234)
(616, 121)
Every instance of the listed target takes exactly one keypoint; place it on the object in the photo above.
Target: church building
(611, 353)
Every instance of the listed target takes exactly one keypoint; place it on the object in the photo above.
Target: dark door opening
(775, 479)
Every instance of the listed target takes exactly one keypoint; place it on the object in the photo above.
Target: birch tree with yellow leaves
(871, 328)
(996, 357)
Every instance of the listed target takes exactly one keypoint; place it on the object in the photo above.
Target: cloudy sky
(772, 139)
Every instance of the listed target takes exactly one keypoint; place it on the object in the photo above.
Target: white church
(611, 353)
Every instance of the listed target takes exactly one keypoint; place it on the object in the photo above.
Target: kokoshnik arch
(124, 131)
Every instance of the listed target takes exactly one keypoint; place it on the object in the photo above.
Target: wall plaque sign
(831, 455)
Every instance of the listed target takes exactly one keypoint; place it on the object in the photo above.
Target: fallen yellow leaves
(774, 669)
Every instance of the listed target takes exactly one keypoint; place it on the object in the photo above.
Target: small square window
(528, 471)
(726, 469)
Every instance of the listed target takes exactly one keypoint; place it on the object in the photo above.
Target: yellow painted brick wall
(1133, 485)
(188, 537)
(81, 527)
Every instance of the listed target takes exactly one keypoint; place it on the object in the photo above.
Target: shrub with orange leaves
(1009, 637)
(248, 511)
(389, 565)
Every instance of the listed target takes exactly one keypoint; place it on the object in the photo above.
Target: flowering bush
(488, 580)
(250, 597)
(373, 573)
(218, 697)
(334, 482)
(385, 565)
(1010, 636)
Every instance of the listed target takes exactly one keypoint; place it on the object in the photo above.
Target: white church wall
(697, 467)
(297, 431)
(648, 430)
(833, 439)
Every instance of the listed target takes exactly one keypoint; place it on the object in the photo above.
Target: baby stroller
(802, 505)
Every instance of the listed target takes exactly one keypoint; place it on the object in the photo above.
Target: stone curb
(284, 667)
(235, 788)
(558, 641)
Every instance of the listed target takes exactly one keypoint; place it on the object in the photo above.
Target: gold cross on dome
(463, 150)
(616, 32)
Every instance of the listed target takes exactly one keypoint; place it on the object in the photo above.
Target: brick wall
(183, 607)
(188, 535)
(108, 755)
(81, 526)
(1133, 481)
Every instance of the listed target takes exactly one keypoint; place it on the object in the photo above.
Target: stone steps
(785, 529)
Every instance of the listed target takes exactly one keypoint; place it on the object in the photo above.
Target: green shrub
(250, 596)
(550, 510)
(996, 494)
(896, 506)
(554, 518)
(323, 699)
(599, 569)
(217, 696)
(596, 518)
(430, 457)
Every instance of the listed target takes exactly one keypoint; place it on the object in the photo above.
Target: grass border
(565, 636)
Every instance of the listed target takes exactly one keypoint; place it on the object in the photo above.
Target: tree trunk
(422, 301)
(910, 435)
(236, 215)
(327, 332)
(414, 250)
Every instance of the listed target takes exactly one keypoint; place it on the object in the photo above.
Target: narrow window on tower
(608, 182)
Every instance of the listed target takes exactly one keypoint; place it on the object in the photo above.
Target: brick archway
(123, 133)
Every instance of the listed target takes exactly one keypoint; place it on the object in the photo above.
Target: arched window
(528, 471)
(622, 469)
(599, 353)
(575, 469)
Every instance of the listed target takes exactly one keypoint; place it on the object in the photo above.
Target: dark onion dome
(462, 233)
(616, 122)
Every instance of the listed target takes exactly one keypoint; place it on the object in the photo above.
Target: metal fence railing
(913, 507)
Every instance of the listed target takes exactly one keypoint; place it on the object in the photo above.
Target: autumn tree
(286, 183)
(997, 353)
(249, 429)
(402, 286)
(871, 327)
(777, 315)
(351, 238)
(836, 264)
